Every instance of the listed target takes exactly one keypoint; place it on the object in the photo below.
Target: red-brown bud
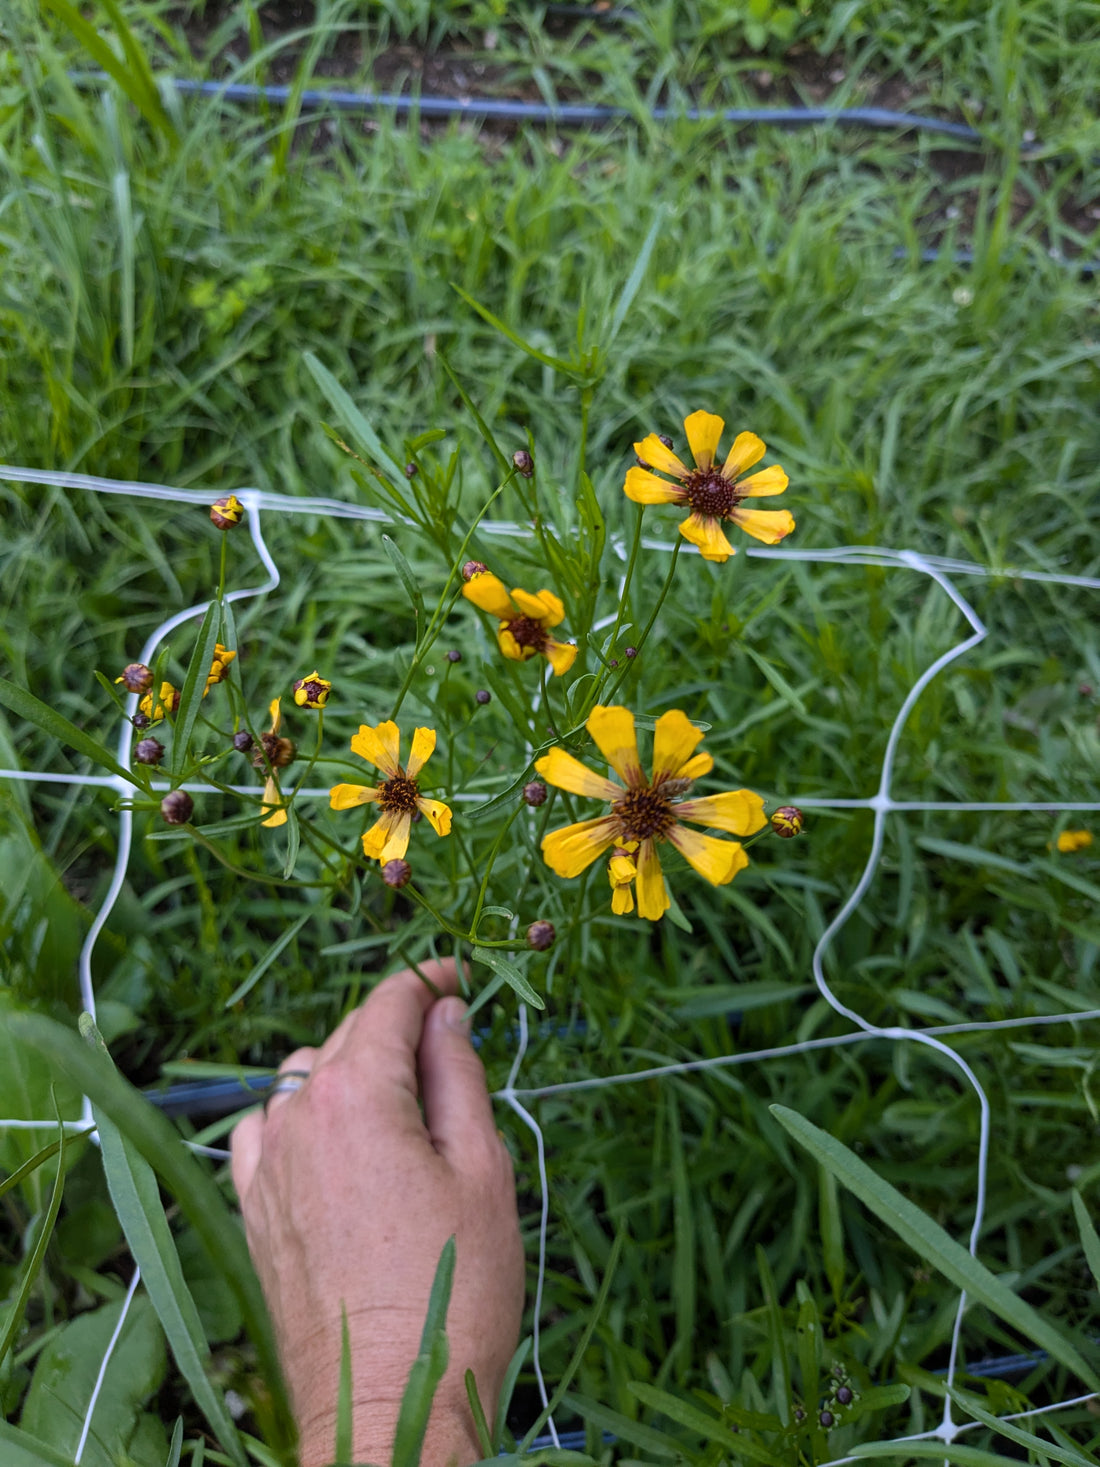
(473, 568)
(787, 821)
(397, 873)
(279, 752)
(149, 751)
(136, 678)
(524, 463)
(242, 741)
(540, 936)
(534, 794)
(177, 807)
(227, 512)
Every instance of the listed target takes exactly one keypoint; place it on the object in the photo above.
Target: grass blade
(355, 421)
(428, 1368)
(268, 958)
(194, 686)
(34, 1262)
(1089, 1240)
(27, 706)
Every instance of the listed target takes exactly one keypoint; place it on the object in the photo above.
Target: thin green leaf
(477, 1411)
(194, 686)
(268, 958)
(175, 1446)
(1089, 1240)
(604, 1419)
(634, 279)
(27, 706)
(404, 571)
(932, 1450)
(440, 1297)
(344, 1421)
(558, 363)
(134, 85)
(38, 1158)
(776, 679)
(26, 1449)
(511, 975)
(781, 1376)
(355, 421)
(38, 1252)
(428, 1368)
(973, 1406)
(930, 1241)
(511, 1375)
(503, 463)
(702, 1422)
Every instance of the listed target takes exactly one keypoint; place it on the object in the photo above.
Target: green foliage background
(167, 265)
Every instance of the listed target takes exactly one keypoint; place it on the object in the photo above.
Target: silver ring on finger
(286, 1082)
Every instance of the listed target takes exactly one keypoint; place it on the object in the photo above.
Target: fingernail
(454, 1015)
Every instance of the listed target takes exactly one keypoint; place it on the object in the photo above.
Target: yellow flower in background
(167, 701)
(1074, 840)
(219, 668)
(525, 620)
(647, 811)
(399, 796)
(312, 691)
(712, 494)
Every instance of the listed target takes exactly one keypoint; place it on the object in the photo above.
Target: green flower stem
(493, 853)
(240, 870)
(453, 931)
(316, 753)
(610, 693)
(635, 546)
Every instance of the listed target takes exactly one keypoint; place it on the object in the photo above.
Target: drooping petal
(695, 768)
(769, 525)
(622, 873)
(560, 769)
(347, 796)
(423, 747)
(437, 814)
(273, 797)
(622, 900)
(706, 532)
(717, 860)
(653, 900)
(380, 746)
(388, 837)
(674, 740)
(771, 480)
(645, 488)
(276, 716)
(703, 432)
(572, 849)
(488, 592)
(747, 450)
(741, 812)
(613, 730)
(513, 650)
(653, 452)
(560, 655)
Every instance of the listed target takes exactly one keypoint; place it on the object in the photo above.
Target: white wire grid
(939, 569)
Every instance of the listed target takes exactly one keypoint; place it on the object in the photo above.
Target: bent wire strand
(937, 568)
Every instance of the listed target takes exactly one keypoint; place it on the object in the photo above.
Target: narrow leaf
(1089, 1241)
(635, 278)
(27, 706)
(268, 958)
(511, 1375)
(974, 1407)
(477, 1411)
(34, 1262)
(343, 1393)
(511, 975)
(194, 686)
(350, 415)
(404, 571)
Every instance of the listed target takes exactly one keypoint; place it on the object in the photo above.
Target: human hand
(348, 1197)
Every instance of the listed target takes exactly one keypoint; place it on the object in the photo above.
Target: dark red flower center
(644, 814)
(400, 793)
(528, 632)
(709, 494)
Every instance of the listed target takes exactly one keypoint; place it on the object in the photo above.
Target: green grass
(162, 285)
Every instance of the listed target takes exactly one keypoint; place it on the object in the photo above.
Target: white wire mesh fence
(942, 571)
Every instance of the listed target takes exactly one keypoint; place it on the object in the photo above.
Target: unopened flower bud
(614, 662)
(631, 652)
(473, 568)
(454, 655)
(226, 512)
(166, 701)
(242, 741)
(534, 794)
(149, 751)
(141, 720)
(826, 1418)
(540, 936)
(312, 691)
(177, 807)
(136, 678)
(642, 464)
(524, 462)
(411, 470)
(483, 696)
(844, 1395)
(666, 440)
(397, 873)
(787, 821)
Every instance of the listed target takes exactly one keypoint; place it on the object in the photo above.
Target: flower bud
(312, 691)
(534, 794)
(149, 751)
(166, 701)
(397, 873)
(787, 821)
(473, 568)
(411, 471)
(483, 696)
(177, 807)
(454, 655)
(136, 678)
(524, 463)
(227, 512)
(540, 936)
(242, 741)
(614, 662)
(826, 1418)
(666, 440)
(844, 1395)
(274, 751)
(631, 652)
(141, 720)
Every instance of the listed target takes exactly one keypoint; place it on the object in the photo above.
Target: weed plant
(172, 269)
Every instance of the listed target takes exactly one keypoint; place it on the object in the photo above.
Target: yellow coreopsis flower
(1070, 841)
(647, 811)
(712, 494)
(272, 795)
(219, 667)
(399, 795)
(166, 701)
(525, 620)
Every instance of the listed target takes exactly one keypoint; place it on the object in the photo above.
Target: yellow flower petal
(707, 534)
(622, 900)
(388, 837)
(528, 604)
(621, 870)
(1074, 840)
(739, 811)
(613, 730)
(560, 655)
(771, 480)
(572, 849)
(703, 432)
(645, 488)
(566, 773)
(695, 768)
(380, 746)
(278, 818)
(769, 525)
(717, 860)
(423, 747)
(510, 647)
(653, 452)
(674, 740)
(348, 796)
(272, 797)
(553, 608)
(488, 592)
(747, 450)
(653, 900)
(437, 814)
(276, 716)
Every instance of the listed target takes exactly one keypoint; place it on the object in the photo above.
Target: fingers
(389, 1024)
(246, 1142)
(457, 1108)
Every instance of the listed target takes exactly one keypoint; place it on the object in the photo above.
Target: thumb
(457, 1108)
